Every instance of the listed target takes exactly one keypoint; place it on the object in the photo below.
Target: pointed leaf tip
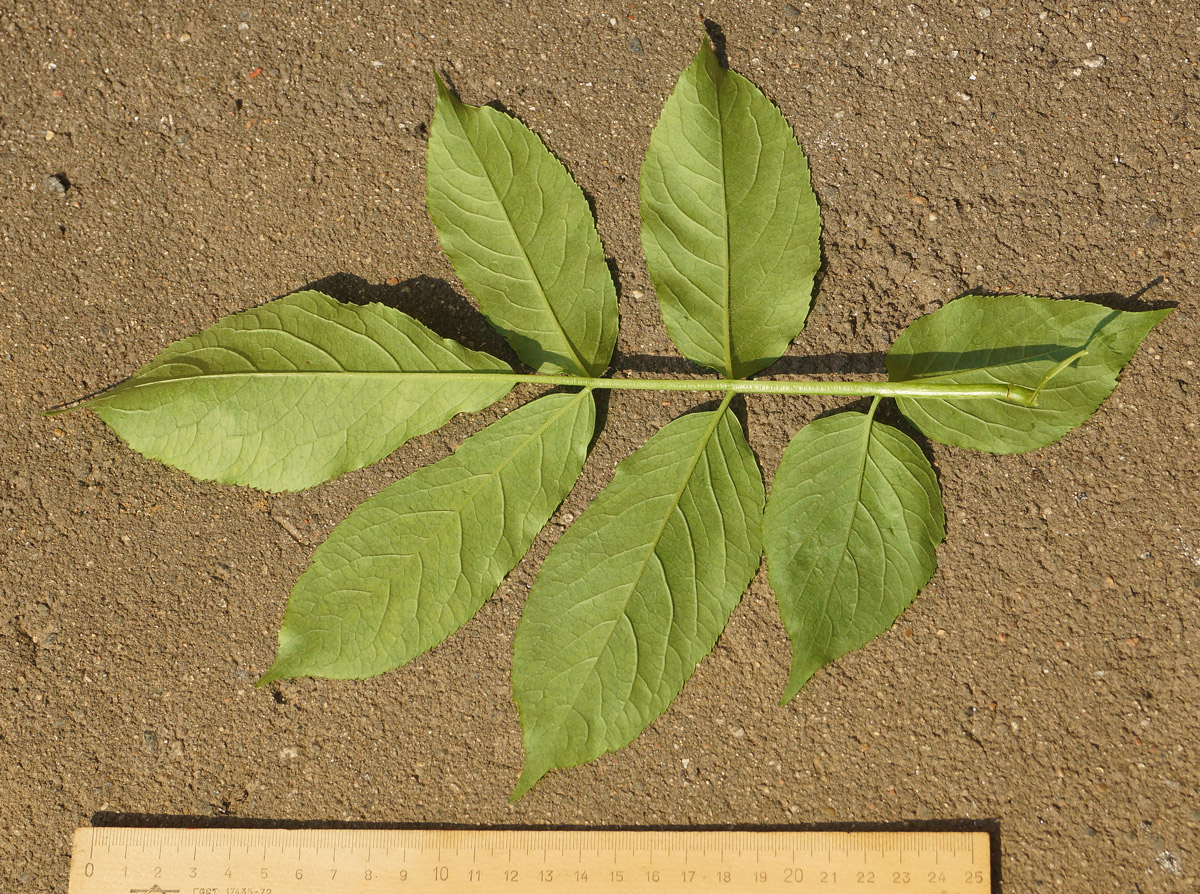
(445, 94)
(530, 776)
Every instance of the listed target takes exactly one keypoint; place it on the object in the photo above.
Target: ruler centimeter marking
(112, 860)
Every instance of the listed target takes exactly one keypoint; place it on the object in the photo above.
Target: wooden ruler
(486, 861)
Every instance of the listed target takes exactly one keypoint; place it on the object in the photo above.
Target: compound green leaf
(1015, 340)
(730, 224)
(416, 561)
(520, 235)
(849, 533)
(297, 391)
(636, 592)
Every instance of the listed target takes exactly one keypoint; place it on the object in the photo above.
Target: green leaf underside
(730, 224)
(1015, 339)
(520, 235)
(293, 393)
(415, 562)
(849, 534)
(636, 592)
